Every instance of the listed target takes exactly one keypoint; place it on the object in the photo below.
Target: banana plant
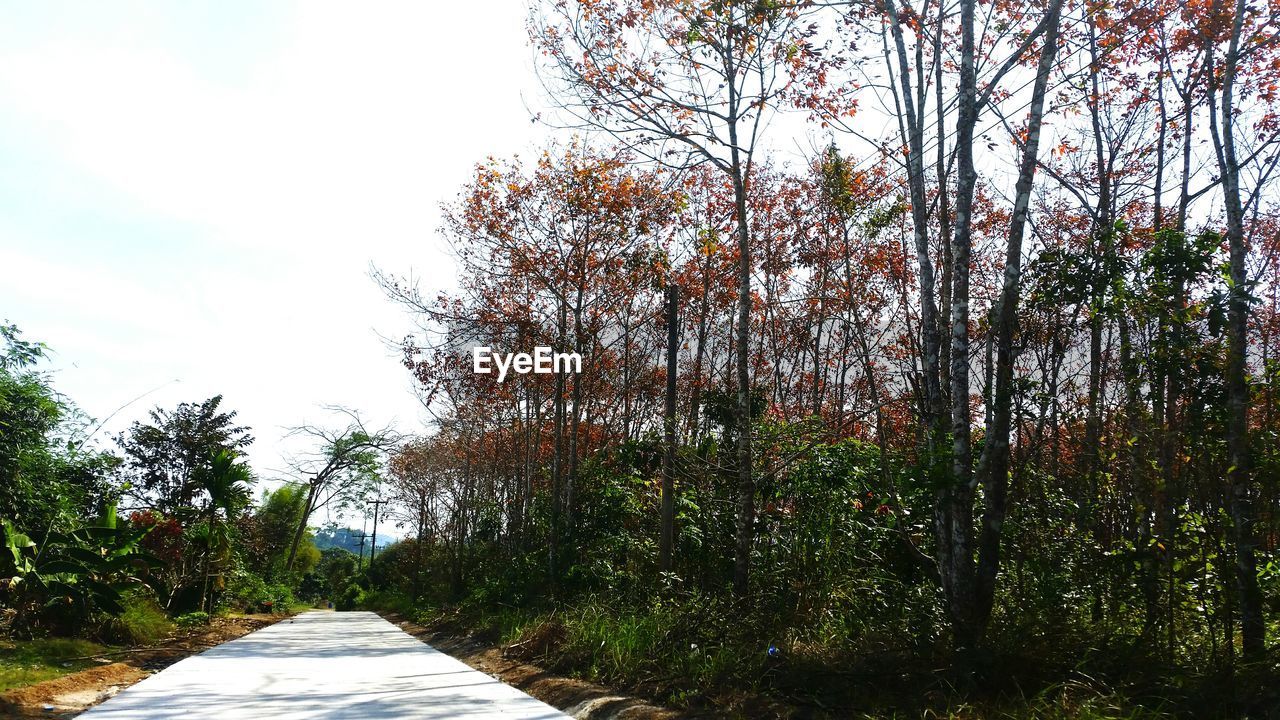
(73, 573)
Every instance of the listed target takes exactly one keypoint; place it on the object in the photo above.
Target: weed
(25, 662)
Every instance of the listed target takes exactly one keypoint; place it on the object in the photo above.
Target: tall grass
(141, 623)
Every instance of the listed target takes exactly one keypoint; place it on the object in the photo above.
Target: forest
(985, 381)
(930, 368)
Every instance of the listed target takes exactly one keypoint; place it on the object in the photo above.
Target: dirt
(576, 698)
(72, 694)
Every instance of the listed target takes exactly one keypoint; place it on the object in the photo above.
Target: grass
(26, 662)
(695, 659)
(141, 623)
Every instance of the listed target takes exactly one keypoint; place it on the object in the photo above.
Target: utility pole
(374, 547)
(360, 562)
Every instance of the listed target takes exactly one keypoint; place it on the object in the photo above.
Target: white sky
(197, 190)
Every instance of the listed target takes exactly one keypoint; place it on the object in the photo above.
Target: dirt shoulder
(577, 698)
(72, 694)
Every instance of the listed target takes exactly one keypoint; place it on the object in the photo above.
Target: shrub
(192, 620)
(61, 580)
(244, 591)
(141, 623)
(388, 601)
(334, 571)
(276, 598)
(351, 596)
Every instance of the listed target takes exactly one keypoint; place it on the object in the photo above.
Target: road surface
(322, 665)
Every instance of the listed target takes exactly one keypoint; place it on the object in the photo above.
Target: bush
(244, 591)
(141, 623)
(192, 620)
(334, 571)
(389, 601)
(276, 598)
(249, 593)
(351, 597)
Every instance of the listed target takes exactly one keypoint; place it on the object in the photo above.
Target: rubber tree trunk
(995, 467)
(667, 541)
(1252, 623)
(746, 480)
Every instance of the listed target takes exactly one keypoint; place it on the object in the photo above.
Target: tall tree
(1246, 31)
(162, 457)
(48, 478)
(225, 484)
(342, 464)
(685, 83)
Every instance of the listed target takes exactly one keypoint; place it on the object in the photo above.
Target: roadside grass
(141, 623)
(25, 662)
(692, 657)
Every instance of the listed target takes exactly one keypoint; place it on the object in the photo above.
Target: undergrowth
(700, 655)
(24, 662)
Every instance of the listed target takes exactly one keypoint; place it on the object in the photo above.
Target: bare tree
(685, 84)
(344, 461)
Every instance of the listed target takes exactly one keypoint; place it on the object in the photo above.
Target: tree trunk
(930, 336)
(312, 488)
(667, 540)
(746, 480)
(995, 462)
(1252, 624)
(953, 514)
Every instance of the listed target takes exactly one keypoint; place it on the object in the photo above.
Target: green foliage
(244, 592)
(166, 458)
(268, 533)
(48, 478)
(192, 620)
(386, 601)
(248, 593)
(334, 570)
(351, 597)
(225, 483)
(59, 579)
(141, 623)
(25, 662)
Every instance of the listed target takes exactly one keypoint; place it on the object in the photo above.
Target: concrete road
(322, 665)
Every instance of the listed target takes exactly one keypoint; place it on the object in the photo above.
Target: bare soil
(72, 694)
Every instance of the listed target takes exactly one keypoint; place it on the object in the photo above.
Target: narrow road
(322, 665)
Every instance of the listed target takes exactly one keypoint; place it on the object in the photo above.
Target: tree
(686, 83)
(342, 466)
(558, 254)
(1248, 32)
(163, 457)
(967, 561)
(225, 484)
(48, 479)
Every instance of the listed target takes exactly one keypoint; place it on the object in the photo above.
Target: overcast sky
(196, 191)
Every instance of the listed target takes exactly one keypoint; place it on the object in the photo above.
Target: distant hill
(346, 538)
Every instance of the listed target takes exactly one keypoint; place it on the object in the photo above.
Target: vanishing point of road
(323, 665)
